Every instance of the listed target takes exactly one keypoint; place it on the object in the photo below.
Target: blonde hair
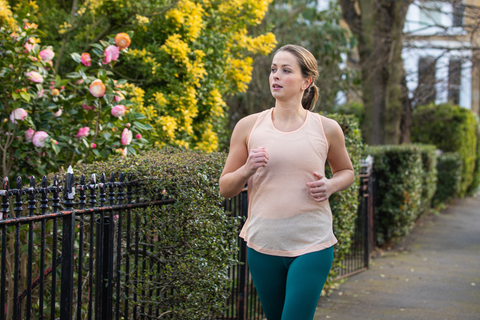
(309, 67)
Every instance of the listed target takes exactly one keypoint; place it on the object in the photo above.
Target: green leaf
(73, 75)
(85, 142)
(139, 116)
(25, 95)
(95, 151)
(142, 126)
(130, 34)
(55, 148)
(76, 57)
(104, 43)
(107, 135)
(15, 96)
(96, 45)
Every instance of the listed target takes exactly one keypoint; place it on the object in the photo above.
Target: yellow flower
(176, 48)
(6, 15)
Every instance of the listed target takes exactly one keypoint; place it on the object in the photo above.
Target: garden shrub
(194, 237)
(399, 174)
(476, 172)
(344, 204)
(429, 181)
(451, 128)
(450, 167)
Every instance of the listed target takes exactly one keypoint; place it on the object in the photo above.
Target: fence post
(242, 283)
(103, 308)
(66, 295)
(366, 192)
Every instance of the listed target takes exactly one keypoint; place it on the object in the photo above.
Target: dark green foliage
(451, 128)
(192, 240)
(355, 108)
(429, 182)
(449, 183)
(399, 174)
(344, 204)
(473, 188)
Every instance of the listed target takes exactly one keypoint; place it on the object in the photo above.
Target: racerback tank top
(283, 218)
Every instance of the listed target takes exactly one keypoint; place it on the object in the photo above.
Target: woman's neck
(288, 117)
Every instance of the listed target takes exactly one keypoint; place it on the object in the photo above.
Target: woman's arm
(339, 161)
(241, 164)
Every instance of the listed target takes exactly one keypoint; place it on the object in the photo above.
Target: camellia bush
(46, 122)
(187, 57)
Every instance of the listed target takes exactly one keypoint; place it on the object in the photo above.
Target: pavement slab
(434, 273)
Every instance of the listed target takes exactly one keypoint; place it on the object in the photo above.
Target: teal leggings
(289, 288)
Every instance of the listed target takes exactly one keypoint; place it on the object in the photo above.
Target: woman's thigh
(269, 274)
(305, 280)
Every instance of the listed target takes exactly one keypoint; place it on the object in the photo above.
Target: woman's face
(286, 79)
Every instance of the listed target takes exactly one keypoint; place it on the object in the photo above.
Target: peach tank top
(283, 218)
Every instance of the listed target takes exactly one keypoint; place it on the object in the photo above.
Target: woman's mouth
(276, 87)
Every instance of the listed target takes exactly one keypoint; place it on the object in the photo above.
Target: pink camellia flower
(58, 113)
(84, 106)
(85, 59)
(31, 40)
(40, 93)
(46, 55)
(93, 145)
(118, 111)
(138, 136)
(126, 137)
(29, 47)
(55, 141)
(128, 125)
(124, 152)
(82, 132)
(34, 76)
(118, 96)
(39, 139)
(18, 114)
(80, 81)
(29, 134)
(97, 88)
(111, 54)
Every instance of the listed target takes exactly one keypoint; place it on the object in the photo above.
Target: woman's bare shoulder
(331, 127)
(245, 125)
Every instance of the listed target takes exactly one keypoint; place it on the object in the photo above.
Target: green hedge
(194, 238)
(451, 128)
(399, 174)
(450, 167)
(430, 177)
(476, 172)
(344, 204)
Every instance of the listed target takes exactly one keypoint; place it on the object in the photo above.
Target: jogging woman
(281, 152)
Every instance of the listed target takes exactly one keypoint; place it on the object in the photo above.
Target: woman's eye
(286, 71)
(273, 70)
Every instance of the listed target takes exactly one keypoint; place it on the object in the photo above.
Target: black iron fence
(83, 276)
(74, 263)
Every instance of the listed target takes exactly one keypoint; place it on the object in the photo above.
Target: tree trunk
(379, 28)
(406, 122)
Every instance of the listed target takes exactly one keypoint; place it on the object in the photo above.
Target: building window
(430, 13)
(454, 80)
(426, 91)
(458, 13)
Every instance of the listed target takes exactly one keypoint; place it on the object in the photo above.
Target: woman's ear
(308, 82)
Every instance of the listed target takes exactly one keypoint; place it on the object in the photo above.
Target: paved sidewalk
(433, 274)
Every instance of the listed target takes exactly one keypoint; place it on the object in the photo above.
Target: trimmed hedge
(399, 174)
(450, 167)
(430, 176)
(194, 238)
(451, 128)
(344, 204)
(476, 172)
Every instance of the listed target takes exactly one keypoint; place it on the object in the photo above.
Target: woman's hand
(257, 158)
(321, 188)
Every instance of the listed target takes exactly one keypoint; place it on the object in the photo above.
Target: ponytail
(310, 97)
